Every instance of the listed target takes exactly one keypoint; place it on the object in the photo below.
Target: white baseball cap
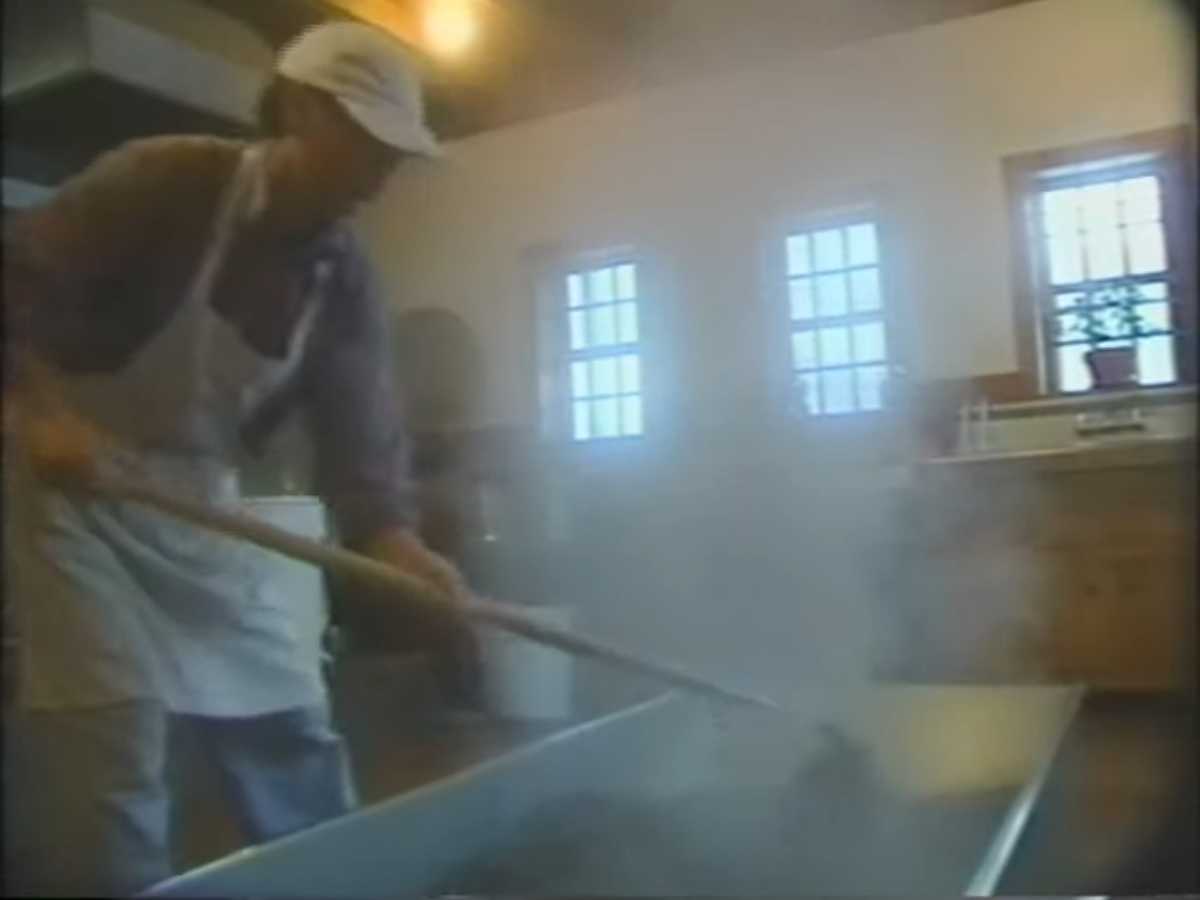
(369, 74)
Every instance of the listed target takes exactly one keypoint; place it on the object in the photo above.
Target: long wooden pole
(364, 569)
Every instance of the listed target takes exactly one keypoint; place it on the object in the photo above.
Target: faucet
(985, 412)
(973, 419)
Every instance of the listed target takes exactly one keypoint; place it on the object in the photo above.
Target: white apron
(116, 602)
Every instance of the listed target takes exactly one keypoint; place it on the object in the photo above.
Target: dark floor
(1119, 812)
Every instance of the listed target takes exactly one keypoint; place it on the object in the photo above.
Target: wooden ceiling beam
(397, 17)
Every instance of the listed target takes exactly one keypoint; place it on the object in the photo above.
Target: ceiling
(533, 58)
(538, 57)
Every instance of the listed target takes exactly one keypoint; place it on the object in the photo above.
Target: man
(171, 306)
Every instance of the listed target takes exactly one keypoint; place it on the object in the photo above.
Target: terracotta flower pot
(1112, 367)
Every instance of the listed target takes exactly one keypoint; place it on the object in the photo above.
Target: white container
(525, 680)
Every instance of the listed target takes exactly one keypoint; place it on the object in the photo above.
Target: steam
(807, 571)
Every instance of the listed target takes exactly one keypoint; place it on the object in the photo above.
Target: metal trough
(666, 798)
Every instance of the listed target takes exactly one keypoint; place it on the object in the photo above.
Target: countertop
(1107, 453)
(1095, 400)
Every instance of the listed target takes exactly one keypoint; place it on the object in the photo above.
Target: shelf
(1066, 404)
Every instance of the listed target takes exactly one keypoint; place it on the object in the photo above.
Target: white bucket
(523, 679)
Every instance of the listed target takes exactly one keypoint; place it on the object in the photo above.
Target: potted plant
(1111, 314)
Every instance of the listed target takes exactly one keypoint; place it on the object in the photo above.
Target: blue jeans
(86, 794)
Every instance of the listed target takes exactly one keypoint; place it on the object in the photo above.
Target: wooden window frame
(1173, 159)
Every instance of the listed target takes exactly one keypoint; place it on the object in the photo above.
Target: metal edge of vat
(206, 880)
(996, 858)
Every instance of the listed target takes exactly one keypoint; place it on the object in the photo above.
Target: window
(604, 359)
(1102, 238)
(1103, 249)
(839, 346)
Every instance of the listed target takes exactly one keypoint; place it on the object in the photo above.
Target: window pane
(828, 246)
(631, 415)
(831, 295)
(870, 386)
(602, 326)
(808, 394)
(604, 376)
(578, 331)
(628, 315)
(1154, 316)
(869, 342)
(1156, 360)
(1099, 205)
(1060, 211)
(579, 379)
(1073, 374)
(835, 346)
(1104, 253)
(631, 374)
(837, 391)
(575, 290)
(1155, 290)
(804, 350)
(1146, 251)
(1069, 299)
(604, 417)
(1139, 199)
(600, 286)
(864, 287)
(582, 421)
(1066, 259)
(864, 250)
(626, 282)
(797, 254)
(1070, 327)
(801, 291)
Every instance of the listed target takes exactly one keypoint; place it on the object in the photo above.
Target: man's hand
(407, 552)
(62, 447)
(453, 647)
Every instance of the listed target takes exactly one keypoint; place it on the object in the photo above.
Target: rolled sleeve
(353, 405)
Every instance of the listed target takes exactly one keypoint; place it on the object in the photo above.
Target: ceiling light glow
(450, 26)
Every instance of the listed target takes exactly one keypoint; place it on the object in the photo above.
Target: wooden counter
(1067, 565)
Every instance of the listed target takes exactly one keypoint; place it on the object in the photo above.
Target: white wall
(701, 176)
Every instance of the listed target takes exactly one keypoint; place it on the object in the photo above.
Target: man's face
(345, 166)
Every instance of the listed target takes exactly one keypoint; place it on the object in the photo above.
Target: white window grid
(1098, 230)
(839, 341)
(604, 361)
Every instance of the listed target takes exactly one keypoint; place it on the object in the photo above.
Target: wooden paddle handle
(364, 569)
